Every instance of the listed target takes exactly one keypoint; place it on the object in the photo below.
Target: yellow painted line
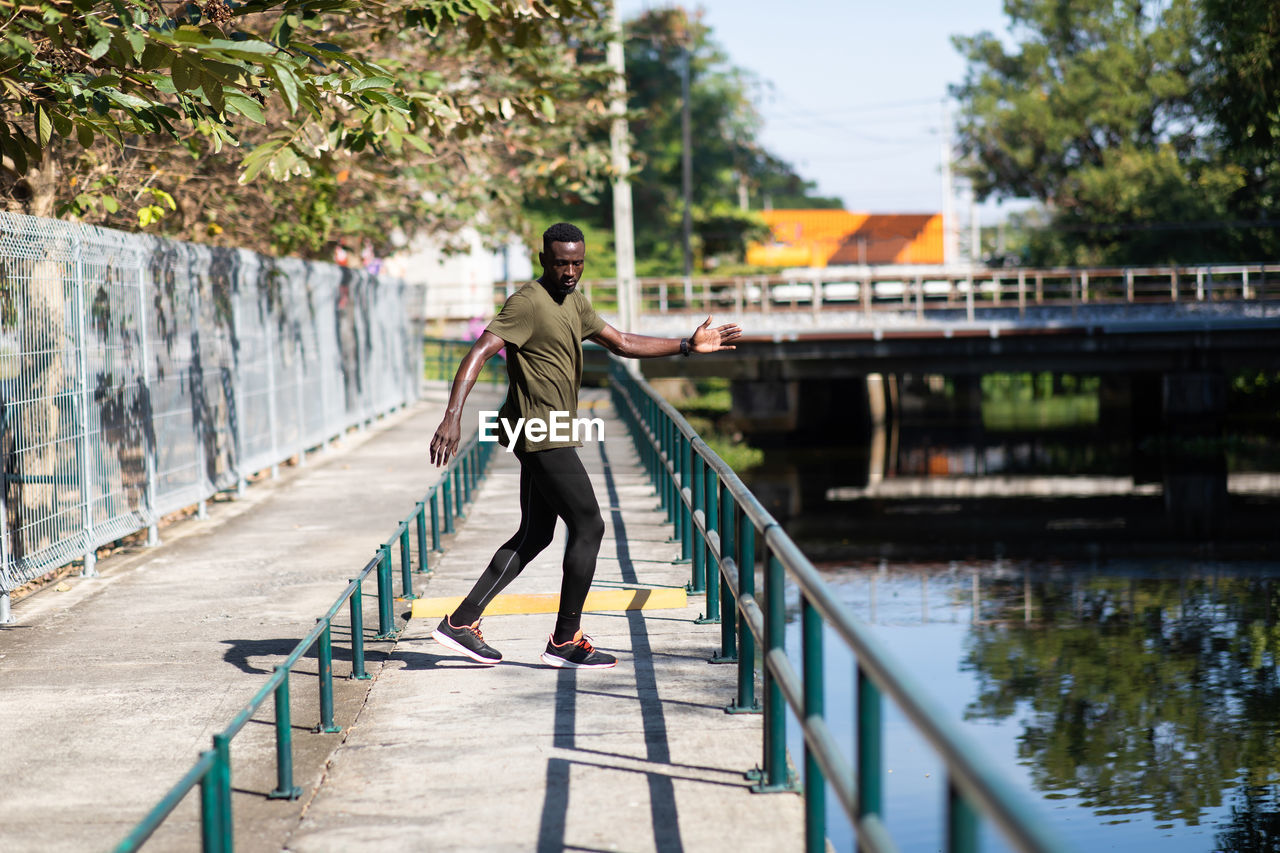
(549, 602)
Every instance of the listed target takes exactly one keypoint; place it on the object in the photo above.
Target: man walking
(542, 325)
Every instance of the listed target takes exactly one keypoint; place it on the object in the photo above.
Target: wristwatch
(684, 347)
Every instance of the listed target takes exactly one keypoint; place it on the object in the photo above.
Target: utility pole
(624, 239)
(950, 237)
(686, 166)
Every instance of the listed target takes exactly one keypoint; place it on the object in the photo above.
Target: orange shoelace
(475, 629)
(585, 642)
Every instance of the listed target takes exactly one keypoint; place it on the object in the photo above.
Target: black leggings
(553, 484)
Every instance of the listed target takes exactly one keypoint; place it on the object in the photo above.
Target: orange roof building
(819, 238)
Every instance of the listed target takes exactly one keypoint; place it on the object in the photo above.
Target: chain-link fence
(141, 375)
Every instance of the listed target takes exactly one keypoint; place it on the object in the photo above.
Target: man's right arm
(445, 442)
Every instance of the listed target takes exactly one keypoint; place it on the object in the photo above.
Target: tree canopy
(194, 118)
(728, 159)
(1146, 129)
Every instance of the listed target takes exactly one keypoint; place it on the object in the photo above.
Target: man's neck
(559, 294)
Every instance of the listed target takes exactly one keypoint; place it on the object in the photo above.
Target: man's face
(562, 264)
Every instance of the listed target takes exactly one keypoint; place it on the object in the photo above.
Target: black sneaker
(468, 640)
(578, 653)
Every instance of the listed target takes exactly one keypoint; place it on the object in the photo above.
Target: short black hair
(561, 232)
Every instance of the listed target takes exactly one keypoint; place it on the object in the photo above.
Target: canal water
(1091, 590)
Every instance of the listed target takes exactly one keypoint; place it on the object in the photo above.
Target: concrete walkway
(110, 690)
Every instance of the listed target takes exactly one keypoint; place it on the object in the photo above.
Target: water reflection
(1092, 586)
(1135, 693)
(1136, 700)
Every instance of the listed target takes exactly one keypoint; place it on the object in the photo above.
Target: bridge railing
(922, 289)
(431, 516)
(725, 532)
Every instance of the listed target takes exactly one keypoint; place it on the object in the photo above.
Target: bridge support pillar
(813, 408)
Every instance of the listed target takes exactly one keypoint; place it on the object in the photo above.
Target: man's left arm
(704, 339)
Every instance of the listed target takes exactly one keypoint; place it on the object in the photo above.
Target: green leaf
(246, 106)
(252, 47)
(370, 83)
(84, 135)
(62, 124)
(213, 92)
(44, 125)
(184, 76)
(110, 203)
(286, 84)
(154, 56)
(548, 108)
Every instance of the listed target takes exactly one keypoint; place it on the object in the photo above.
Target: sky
(852, 91)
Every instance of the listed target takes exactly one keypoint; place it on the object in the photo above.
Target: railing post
(357, 632)
(685, 450)
(746, 538)
(1022, 293)
(711, 517)
(868, 745)
(815, 784)
(457, 490)
(406, 564)
(326, 681)
(962, 822)
(221, 794)
(420, 515)
(435, 521)
(697, 544)
(728, 608)
(448, 503)
(774, 775)
(285, 789)
(386, 621)
(210, 819)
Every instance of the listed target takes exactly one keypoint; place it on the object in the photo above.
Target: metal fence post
(868, 746)
(774, 774)
(448, 503)
(420, 515)
(89, 569)
(285, 789)
(386, 622)
(326, 680)
(815, 784)
(435, 522)
(746, 538)
(268, 339)
(685, 451)
(962, 822)
(728, 551)
(150, 451)
(406, 564)
(696, 544)
(221, 772)
(357, 632)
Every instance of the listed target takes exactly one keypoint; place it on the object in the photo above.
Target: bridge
(812, 338)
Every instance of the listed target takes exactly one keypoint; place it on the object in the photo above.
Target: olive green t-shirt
(544, 358)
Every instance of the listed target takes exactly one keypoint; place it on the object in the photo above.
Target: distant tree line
(1148, 131)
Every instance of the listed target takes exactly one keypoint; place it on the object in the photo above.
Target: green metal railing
(725, 532)
(212, 771)
(440, 357)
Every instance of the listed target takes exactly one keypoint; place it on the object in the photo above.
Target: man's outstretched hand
(445, 442)
(707, 339)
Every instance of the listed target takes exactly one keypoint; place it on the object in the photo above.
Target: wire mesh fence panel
(44, 499)
(114, 396)
(140, 375)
